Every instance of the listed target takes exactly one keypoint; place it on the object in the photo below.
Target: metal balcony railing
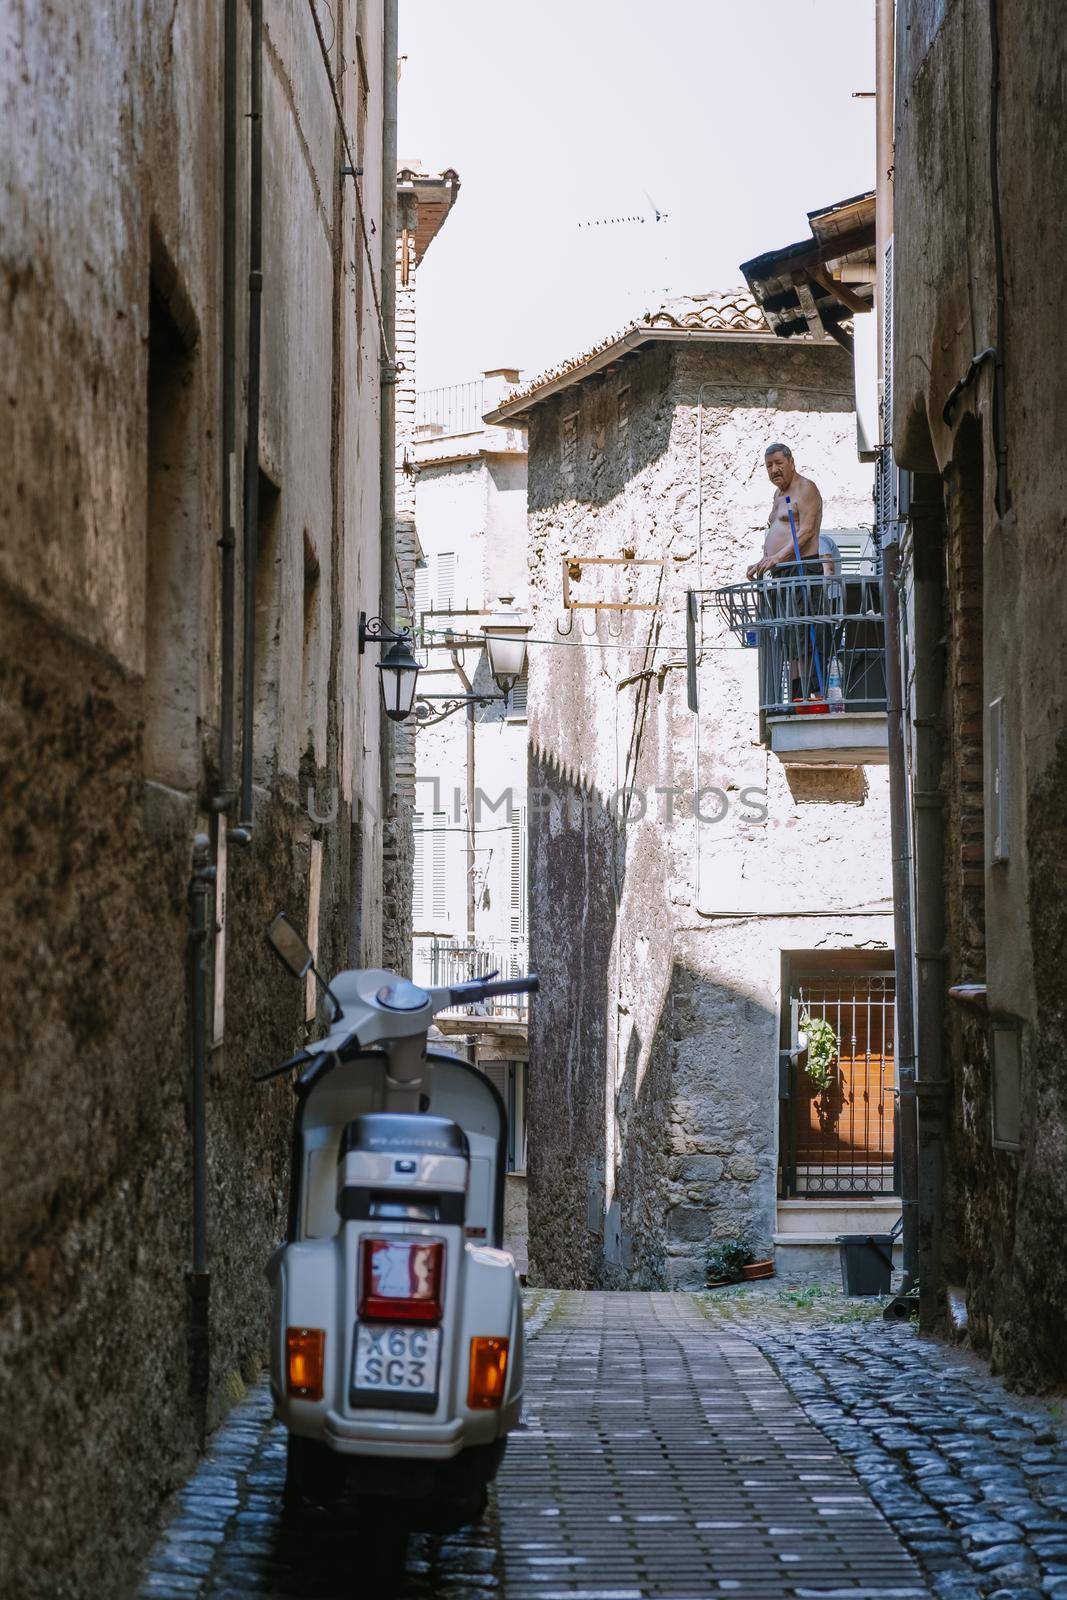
(455, 408)
(809, 627)
(454, 962)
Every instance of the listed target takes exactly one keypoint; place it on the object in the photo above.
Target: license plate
(397, 1363)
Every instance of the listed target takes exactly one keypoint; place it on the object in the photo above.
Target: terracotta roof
(715, 315)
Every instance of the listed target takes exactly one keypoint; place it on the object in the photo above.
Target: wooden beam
(838, 333)
(839, 291)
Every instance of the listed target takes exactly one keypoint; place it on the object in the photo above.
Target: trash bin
(866, 1262)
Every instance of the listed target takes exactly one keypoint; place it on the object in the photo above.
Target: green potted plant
(820, 1061)
(735, 1261)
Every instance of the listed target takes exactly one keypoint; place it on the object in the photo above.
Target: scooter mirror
(289, 946)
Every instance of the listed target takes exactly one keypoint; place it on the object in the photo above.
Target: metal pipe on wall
(228, 517)
(930, 953)
(255, 309)
(201, 915)
(387, 447)
(907, 1123)
(885, 77)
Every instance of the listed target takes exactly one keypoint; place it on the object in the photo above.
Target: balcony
(809, 630)
(438, 962)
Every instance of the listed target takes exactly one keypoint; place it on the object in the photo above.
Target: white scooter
(396, 1333)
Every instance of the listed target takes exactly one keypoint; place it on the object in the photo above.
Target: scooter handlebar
(484, 989)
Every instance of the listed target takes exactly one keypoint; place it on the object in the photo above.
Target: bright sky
(733, 117)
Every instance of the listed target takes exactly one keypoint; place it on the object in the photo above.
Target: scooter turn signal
(489, 1365)
(306, 1360)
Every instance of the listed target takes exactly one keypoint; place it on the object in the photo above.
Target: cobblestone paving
(662, 1458)
(972, 1478)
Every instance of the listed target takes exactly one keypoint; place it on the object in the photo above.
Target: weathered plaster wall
(1007, 1211)
(109, 687)
(654, 1040)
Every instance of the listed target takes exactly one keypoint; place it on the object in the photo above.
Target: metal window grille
(840, 1140)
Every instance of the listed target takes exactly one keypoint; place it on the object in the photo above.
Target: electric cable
(347, 142)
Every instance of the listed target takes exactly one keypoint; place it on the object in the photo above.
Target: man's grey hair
(778, 450)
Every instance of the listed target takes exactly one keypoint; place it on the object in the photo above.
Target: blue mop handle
(811, 625)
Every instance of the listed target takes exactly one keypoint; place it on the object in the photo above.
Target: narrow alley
(533, 800)
(765, 1445)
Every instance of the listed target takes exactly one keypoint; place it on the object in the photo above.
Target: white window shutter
(417, 898)
(440, 865)
(446, 580)
(518, 873)
(423, 601)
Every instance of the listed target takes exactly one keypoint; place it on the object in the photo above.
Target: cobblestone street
(760, 1444)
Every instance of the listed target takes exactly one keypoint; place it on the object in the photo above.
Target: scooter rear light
(489, 1366)
(305, 1350)
(401, 1280)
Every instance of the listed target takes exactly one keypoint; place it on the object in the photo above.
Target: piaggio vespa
(396, 1332)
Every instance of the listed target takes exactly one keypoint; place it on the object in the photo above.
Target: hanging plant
(821, 1066)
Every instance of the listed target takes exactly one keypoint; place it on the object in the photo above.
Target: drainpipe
(902, 927)
(228, 518)
(387, 446)
(255, 309)
(930, 953)
(460, 671)
(201, 914)
(885, 68)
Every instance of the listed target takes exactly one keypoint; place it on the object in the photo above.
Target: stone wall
(654, 1041)
(110, 605)
(1005, 597)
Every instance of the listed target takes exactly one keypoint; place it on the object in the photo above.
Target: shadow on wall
(573, 851)
(630, 1184)
(589, 441)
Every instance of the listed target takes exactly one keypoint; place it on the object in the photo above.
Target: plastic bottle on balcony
(835, 699)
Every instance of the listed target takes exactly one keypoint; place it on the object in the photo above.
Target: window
(439, 866)
(310, 668)
(430, 894)
(423, 603)
(518, 872)
(837, 1124)
(516, 711)
(268, 629)
(624, 408)
(172, 521)
(509, 1078)
(445, 563)
(568, 448)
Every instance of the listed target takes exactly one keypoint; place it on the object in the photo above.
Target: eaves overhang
(518, 408)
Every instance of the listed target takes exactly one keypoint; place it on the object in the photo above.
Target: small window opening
(172, 600)
(311, 670)
(268, 628)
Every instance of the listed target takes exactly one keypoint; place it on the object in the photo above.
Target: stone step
(825, 1219)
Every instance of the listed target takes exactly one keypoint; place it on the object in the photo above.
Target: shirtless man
(806, 502)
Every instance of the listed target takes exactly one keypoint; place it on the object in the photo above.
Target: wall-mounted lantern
(505, 645)
(398, 669)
